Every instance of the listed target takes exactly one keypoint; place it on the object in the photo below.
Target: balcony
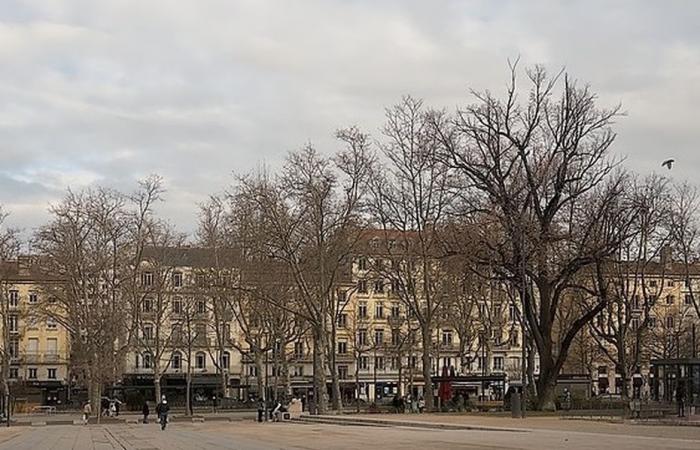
(40, 358)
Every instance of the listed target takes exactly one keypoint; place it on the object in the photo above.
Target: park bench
(44, 409)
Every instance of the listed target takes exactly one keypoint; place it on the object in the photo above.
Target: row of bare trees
(515, 194)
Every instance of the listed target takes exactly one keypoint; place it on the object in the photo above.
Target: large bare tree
(409, 198)
(94, 243)
(310, 220)
(537, 164)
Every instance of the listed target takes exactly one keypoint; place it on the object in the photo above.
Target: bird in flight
(668, 163)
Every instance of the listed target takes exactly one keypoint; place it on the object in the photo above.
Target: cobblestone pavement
(253, 436)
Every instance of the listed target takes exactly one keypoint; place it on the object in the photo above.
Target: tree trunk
(260, 372)
(427, 381)
(546, 383)
(337, 403)
(188, 393)
(156, 384)
(321, 399)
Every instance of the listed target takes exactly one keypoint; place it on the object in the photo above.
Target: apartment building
(184, 327)
(37, 346)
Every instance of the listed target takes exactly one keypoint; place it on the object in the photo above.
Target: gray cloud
(110, 91)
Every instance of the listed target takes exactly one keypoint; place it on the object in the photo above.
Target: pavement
(498, 433)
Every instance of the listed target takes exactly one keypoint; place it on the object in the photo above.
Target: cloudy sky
(109, 91)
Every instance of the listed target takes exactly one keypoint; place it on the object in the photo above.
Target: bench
(44, 410)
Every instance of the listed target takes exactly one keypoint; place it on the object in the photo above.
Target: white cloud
(114, 90)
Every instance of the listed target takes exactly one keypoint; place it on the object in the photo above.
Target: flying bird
(668, 163)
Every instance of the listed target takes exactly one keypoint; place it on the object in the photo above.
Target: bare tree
(94, 243)
(155, 314)
(622, 329)
(9, 249)
(540, 171)
(409, 196)
(310, 220)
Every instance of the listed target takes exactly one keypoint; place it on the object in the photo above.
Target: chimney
(666, 254)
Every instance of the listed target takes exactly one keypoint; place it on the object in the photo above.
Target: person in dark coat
(162, 411)
(146, 411)
(680, 398)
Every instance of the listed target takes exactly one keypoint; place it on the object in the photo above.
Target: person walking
(146, 411)
(162, 411)
(421, 404)
(87, 411)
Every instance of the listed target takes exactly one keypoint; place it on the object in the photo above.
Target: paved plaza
(533, 434)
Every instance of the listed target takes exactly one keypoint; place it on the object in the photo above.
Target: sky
(107, 92)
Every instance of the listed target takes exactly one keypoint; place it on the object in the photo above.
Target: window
(362, 310)
(395, 338)
(51, 323)
(147, 279)
(252, 371)
(362, 263)
(298, 371)
(201, 307)
(688, 299)
(33, 298)
(635, 302)
(379, 363)
(52, 346)
(147, 360)
(634, 324)
(511, 312)
(176, 332)
(33, 346)
(13, 323)
(379, 287)
(447, 362)
(362, 337)
(446, 337)
(14, 348)
(14, 372)
(395, 363)
(670, 299)
(176, 361)
(481, 363)
(148, 332)
(177, 306)
(362, 286)
(14, 299)
(51, 374)
(199, 361)
(298, 349)
(652, 283)
(177, 279)
(395, 310)
(342, 347)
(226, 360)
(379, 311)
(31, 373)
(342, 372)
(378, 337)
(147, 305)
(343, 320)
(514, 338)
(652, 322)
(395, 286)
(669, 283)
(669, 322)
(364, 363)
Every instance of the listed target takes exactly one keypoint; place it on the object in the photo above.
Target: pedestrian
(146, 411)
(421, 404)
(680, 398)
(162, 411)
(112, 409)
(87, 411)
